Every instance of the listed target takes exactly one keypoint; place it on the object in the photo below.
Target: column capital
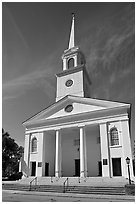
(81, 125)
(101, 123)
(57, 129)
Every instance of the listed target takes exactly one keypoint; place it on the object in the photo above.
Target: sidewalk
(72, 195)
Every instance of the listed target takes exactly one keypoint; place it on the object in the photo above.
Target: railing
(64, 185)
(30, 184)
(79, 179)
(51, 180)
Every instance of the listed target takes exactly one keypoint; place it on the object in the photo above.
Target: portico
(81, 146)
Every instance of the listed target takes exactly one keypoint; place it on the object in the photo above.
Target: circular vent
(69, 83)
(69, 108)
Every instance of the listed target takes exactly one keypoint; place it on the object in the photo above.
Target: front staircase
(89, 185)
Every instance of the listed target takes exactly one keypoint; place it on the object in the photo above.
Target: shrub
(15, 176)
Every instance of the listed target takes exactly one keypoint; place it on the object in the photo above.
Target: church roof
(80, 105)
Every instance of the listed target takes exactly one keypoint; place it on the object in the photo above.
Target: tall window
(114, 136)
(70, 63)
(34, 145)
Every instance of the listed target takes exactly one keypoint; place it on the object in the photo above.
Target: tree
(11, 154)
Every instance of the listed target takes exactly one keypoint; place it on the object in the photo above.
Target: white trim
(77, 123)
(116, 146)
(34, 152)
(84, 114)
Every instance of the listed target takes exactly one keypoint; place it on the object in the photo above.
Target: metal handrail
(51, 180)
(30, 184)
(64, 184)
(79, 179)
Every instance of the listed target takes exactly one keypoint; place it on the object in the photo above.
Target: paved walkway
(25, 196)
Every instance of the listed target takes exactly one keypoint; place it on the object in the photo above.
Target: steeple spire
(71, 39)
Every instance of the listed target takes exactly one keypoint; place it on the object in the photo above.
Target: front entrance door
(46, 169)
(77, 167)
(116, 163)
(99, 168)
(33, 169)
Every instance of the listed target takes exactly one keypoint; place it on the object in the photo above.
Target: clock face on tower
(69, 83)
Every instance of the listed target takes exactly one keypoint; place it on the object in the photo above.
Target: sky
(34, 36)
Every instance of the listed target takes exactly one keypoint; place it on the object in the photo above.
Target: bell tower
(74, 79)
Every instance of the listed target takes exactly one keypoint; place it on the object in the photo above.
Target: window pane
(114, 136)
(34, 145)
(71, 63)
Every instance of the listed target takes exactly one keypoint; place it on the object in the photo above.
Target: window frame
(33, 148)
(71, 60)
(114, 139)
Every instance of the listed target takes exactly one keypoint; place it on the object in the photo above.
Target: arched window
(70, 63)
(34, 145)
(114, 136)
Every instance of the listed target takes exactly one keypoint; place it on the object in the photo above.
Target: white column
(83, 155)
(64, 64)
(40, 141)
(105, 157)
(85, 147)
(75, 61)
(58, 158)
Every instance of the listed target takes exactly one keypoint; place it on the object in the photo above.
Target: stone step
(26, 180)
(91, 181)
(15, 187)
(89, 185)
(69, 189)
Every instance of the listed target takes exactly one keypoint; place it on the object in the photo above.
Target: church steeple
(72, 37)
(72, 57)
(74, 79)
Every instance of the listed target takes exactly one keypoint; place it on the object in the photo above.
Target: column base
(58, 174)
(83, 174)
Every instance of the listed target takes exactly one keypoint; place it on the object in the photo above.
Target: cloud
(19, 86)
(110, 40)
(110, 64)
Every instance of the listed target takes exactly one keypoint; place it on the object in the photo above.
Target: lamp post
(128, 162)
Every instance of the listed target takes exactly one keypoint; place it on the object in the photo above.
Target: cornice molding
(78, 123)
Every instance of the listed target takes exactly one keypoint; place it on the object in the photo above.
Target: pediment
(80, 106)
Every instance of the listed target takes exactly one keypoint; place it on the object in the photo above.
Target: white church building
(78, 135)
